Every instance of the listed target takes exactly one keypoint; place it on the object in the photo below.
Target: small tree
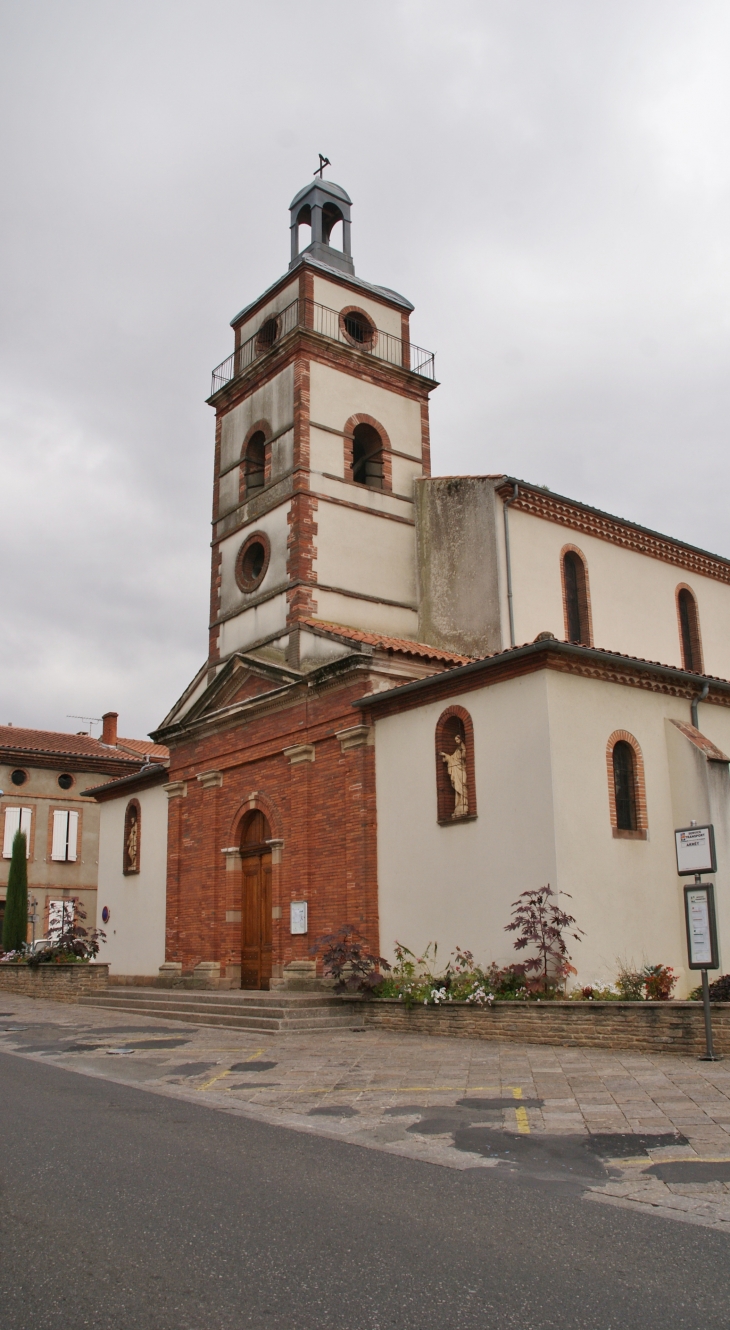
(15, 923)
(347, 960)
(541, 923)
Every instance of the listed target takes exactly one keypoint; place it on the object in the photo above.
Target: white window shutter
(73, 832)
(26, 815)
(12, 824)
(60, 834)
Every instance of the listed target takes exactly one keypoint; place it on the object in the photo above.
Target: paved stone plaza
(651, 1133)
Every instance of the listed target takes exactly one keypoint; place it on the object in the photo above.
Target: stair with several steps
(269, 1013)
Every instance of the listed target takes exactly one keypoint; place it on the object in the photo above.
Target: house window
(576, 602)
(626, 787)
(60, 917)
(455, 783)
(367, 457)
(689, 630)
(132, 833)
(16, 819)
(254, 465)
(65, 835)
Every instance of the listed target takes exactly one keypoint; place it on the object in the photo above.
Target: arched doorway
(256, 901)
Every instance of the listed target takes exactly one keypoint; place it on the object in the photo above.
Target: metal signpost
(695, 848)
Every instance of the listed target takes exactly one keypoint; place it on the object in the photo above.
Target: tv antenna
(323, 161)
(91, 720)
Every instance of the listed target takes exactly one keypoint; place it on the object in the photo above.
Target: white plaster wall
(335, 397)
(632, 596)
(274, 525)
(404, 474)
(136, 930)
(277, 303)
(338, 297)
(455, 884)
(378, 501)
(367, 615)
(252, 625)
(543, 816)
(273, 401)
(360, 551)
(326, 452)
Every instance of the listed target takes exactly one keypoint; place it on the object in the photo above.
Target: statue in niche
(456, 767)
(132, 842)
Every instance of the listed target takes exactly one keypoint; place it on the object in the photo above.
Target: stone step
(262, 1012)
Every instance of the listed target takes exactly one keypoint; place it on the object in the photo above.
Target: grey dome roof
(327, 186)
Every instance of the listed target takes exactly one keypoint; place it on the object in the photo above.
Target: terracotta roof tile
(146, 748)
(402, 644)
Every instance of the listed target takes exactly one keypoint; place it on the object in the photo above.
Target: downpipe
(508, 559)
(700, 697)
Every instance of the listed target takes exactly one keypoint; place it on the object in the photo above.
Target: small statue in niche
(132, 842)
(456, 767)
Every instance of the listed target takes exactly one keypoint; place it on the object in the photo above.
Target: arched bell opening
(255, 848)
(332, 226)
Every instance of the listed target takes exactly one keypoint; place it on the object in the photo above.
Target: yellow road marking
(523, 1125)
(213, 1079)
(222, 1074)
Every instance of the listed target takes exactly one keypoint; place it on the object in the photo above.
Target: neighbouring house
(423, 695)
(132, 814)
(44, 776)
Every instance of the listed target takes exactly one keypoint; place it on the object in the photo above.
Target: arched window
(254, 465)
(132, 842)
(576, 600)
(689, 630)
(367, 457)
(455, 783)
(626, 788)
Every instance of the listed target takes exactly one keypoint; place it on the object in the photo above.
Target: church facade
(409, 678)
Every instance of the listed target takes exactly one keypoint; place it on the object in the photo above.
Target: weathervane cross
(323, 161)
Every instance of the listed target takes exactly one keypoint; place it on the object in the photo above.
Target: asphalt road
(119, 1208)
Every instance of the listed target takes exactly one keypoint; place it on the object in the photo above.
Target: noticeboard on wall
(695, 847)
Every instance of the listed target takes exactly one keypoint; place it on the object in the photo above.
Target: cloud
(547, 183)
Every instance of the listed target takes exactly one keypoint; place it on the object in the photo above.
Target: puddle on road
(690, 1170)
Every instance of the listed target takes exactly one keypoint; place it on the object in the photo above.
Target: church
(423, 695)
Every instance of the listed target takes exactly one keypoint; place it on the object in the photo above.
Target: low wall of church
(639, 1027)
(57, 983)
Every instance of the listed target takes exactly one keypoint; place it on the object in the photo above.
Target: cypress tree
(15, 924)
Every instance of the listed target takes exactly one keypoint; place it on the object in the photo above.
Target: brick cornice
(565, 657)
(592, 522)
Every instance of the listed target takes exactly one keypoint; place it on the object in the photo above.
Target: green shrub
(15, 923)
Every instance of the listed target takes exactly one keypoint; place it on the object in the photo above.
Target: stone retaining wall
(58, 983)
(642, 1027)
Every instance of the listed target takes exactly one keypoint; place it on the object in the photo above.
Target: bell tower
(321, 430)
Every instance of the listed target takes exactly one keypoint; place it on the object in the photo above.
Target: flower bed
(639, 1027)
(61, 982)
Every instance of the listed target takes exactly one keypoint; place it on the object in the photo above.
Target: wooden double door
(256, 902)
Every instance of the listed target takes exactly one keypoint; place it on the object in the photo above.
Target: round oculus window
(358, 329)
(65, 781)
(18, 777)
(252, 561)
(267, 335)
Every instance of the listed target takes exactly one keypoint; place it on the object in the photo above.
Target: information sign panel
(699, 912)
(298, 917)
(695, 848)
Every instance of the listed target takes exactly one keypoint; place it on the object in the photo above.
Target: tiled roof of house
(401, 644)
(55, 744)
(146, 748)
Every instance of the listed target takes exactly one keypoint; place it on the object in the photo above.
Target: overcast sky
(546, 180)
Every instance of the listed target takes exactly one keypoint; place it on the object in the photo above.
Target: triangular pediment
(242, 679)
